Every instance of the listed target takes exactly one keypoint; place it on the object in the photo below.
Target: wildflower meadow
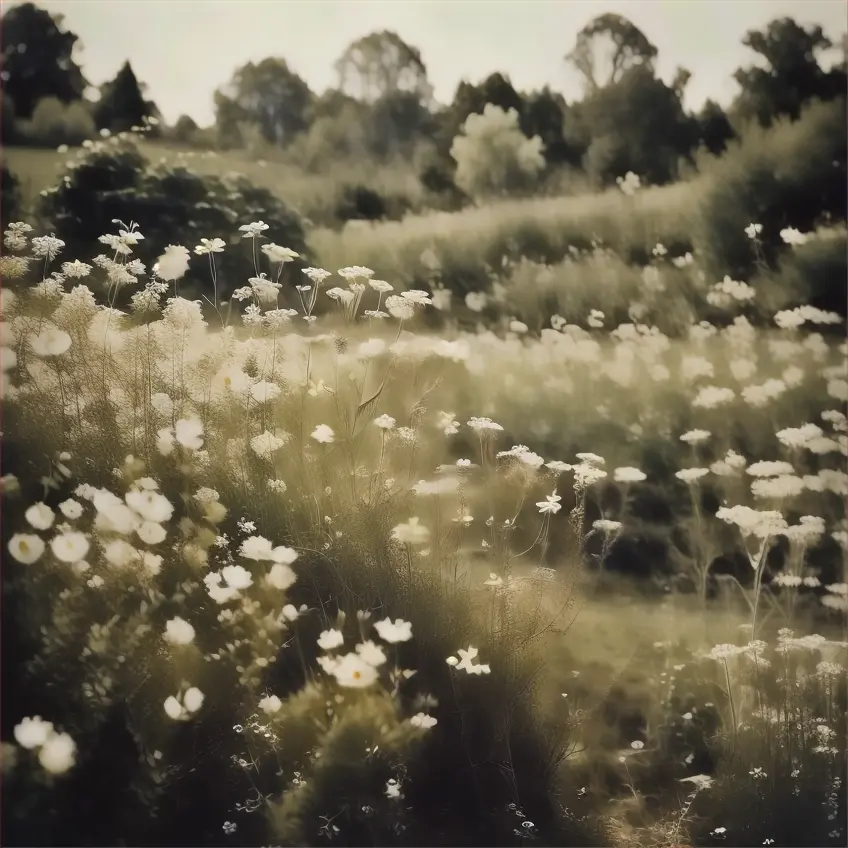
(542, 549)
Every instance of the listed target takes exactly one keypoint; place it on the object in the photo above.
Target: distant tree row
(382, 107)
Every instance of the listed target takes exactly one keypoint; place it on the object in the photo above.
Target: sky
(184, 49)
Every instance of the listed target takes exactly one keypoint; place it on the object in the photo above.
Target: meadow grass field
(527, 528)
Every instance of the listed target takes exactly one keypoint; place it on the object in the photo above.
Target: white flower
(40, 516)
(71, 509)
(280, 576)
(150, 532)
(270, 704)
(690, 475)
(253, 230)
(550, 505)
(762, 524)
(423, 721)
(481, 425)
(626, 474)
(400, 308)
(236, 576)
(394, 631)
(753, 230)
(265, 444)
(26, 548)
(323, 434)
(33, 732)
(792, 237)
(712, 396)
(783, 486)
(605, 525)
(150, 505)
(416, 296)
(465, 663)
(192, 701)
(637, 745)
(206, 246)
(330, 639)
(189, 433)
(70, 546)
(694, 437)
(354, 272)
(173, 263)
(494, 581)
(770, 469)
(371, 653)
(353, 672)
(385, 422)
(58, 754)
(264, 391)
(275, 253)
(51, 341)
(371, 348)
(380, 286)
(411, 533)
(178, 632)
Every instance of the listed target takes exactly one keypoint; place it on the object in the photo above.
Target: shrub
(171, 205)
(790, 175)
(54, 123)
(184, 130)
(493, 157)
(10, 192)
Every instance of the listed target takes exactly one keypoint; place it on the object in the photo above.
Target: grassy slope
(313, 194)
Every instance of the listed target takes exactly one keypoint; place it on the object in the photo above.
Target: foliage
(268, 94)
(382, 64)
(493, 157)
(636, 123)
(10, 191)
(714, 128)
(54, 122)
(37, 59)
(788, 176)
(790, 75)
(627, 45)
(184, 130)
(171, 202)
(122, 105)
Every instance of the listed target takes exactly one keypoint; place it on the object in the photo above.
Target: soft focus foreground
(289, 567)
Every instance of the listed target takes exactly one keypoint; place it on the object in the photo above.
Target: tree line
(382, 106)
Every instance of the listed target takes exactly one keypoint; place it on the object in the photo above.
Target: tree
(471, 99)
(122, 104)
(544, 115)
(37, 59)
(268, 94)
(714, 127)
(792, 74)
(493, 157)
(607, 47)
(185, 129)
(635, 124)
(380, 64)
(397, 121)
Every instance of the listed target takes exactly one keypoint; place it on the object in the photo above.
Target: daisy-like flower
(178, 632)
(371, 653)
(351, 671)
(253, 230)
(189, 433)
(550, 505)
(191, 702)
(58, 753)
(172, 264)
(323, 434)
(281, 576)
(70, 546)
(207, 246)
(270, 704)
(394, 631)
(40, 516)
(76, 269)
(278, 254)
(33, 732)
(71, 509)
(330, 639)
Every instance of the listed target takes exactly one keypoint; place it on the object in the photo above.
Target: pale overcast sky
(184, 49)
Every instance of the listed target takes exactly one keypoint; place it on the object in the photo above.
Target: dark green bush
(791, 175)
(171, 205)
(10, 197)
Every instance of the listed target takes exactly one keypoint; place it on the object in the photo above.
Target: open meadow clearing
(519, 519)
